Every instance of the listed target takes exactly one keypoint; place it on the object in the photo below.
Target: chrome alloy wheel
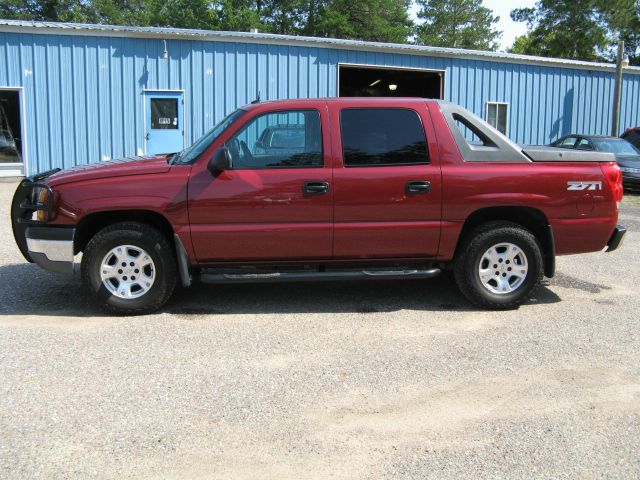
(503, 268)
(127, 271)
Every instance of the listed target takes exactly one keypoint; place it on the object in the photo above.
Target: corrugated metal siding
(84, 102)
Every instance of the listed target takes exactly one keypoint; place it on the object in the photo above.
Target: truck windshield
(189, 154)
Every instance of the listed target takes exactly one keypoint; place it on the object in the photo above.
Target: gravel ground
(336, 380)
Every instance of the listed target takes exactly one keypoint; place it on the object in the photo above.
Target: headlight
(44, 198)
(629, 170)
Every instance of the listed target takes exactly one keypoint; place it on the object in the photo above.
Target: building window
(382, 136)
(10, 127)
(164, 113)
(498, 116)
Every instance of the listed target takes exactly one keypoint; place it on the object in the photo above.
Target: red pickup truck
(358, 188)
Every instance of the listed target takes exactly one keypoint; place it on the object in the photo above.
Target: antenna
(257, 100)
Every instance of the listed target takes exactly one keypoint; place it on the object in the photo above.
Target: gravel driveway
(332, 380)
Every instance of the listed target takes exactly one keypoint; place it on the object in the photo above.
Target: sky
(511, 29)
(502, 8)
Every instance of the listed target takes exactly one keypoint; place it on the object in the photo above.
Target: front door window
(289, 139)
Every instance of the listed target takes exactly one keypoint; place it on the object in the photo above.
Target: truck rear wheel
(499, 265)
(129, 268)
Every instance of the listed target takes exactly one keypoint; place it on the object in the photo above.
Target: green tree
(623, 20)
(458, 24)
(372, 20)
(376, 20)
(237, 15)
(585, 30)
(563, 29)
(285, 17)
(118, 12)
(521, 45)
(205, 14)
(45, 10)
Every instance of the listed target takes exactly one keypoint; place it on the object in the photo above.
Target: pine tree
(563, 29)
(458, 24)
(585, 30)
(373, 20)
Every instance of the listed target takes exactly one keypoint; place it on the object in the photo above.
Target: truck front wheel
(499, 265)
(129, 268)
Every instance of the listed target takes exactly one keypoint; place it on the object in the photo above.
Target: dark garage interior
(358, 81)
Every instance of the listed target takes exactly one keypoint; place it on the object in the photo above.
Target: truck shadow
(29, 290)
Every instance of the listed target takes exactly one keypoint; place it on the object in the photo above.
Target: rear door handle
(315, 188)
(418, 186)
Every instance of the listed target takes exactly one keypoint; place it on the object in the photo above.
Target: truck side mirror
(220, 162)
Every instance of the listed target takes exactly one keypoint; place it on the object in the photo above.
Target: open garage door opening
(361, 81)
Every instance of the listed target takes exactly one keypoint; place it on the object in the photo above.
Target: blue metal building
(74, 94)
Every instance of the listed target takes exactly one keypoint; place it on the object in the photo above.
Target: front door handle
(315, 188)
(418, 186)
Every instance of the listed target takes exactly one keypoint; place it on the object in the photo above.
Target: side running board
(311, 276)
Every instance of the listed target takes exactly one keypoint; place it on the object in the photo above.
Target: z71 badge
(584, 185)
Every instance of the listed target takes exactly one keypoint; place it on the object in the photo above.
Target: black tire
(470, 254)
(154, 244)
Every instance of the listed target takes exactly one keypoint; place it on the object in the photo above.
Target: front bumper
(51, 247)
(630, 182)
(630, 176)
(25, 204)
(616, 238)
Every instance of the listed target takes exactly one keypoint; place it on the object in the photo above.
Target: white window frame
(497, 104)
(18, 169)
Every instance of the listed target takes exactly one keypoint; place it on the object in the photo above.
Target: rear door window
(382, 137)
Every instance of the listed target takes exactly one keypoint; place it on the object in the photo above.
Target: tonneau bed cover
(555, 154)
